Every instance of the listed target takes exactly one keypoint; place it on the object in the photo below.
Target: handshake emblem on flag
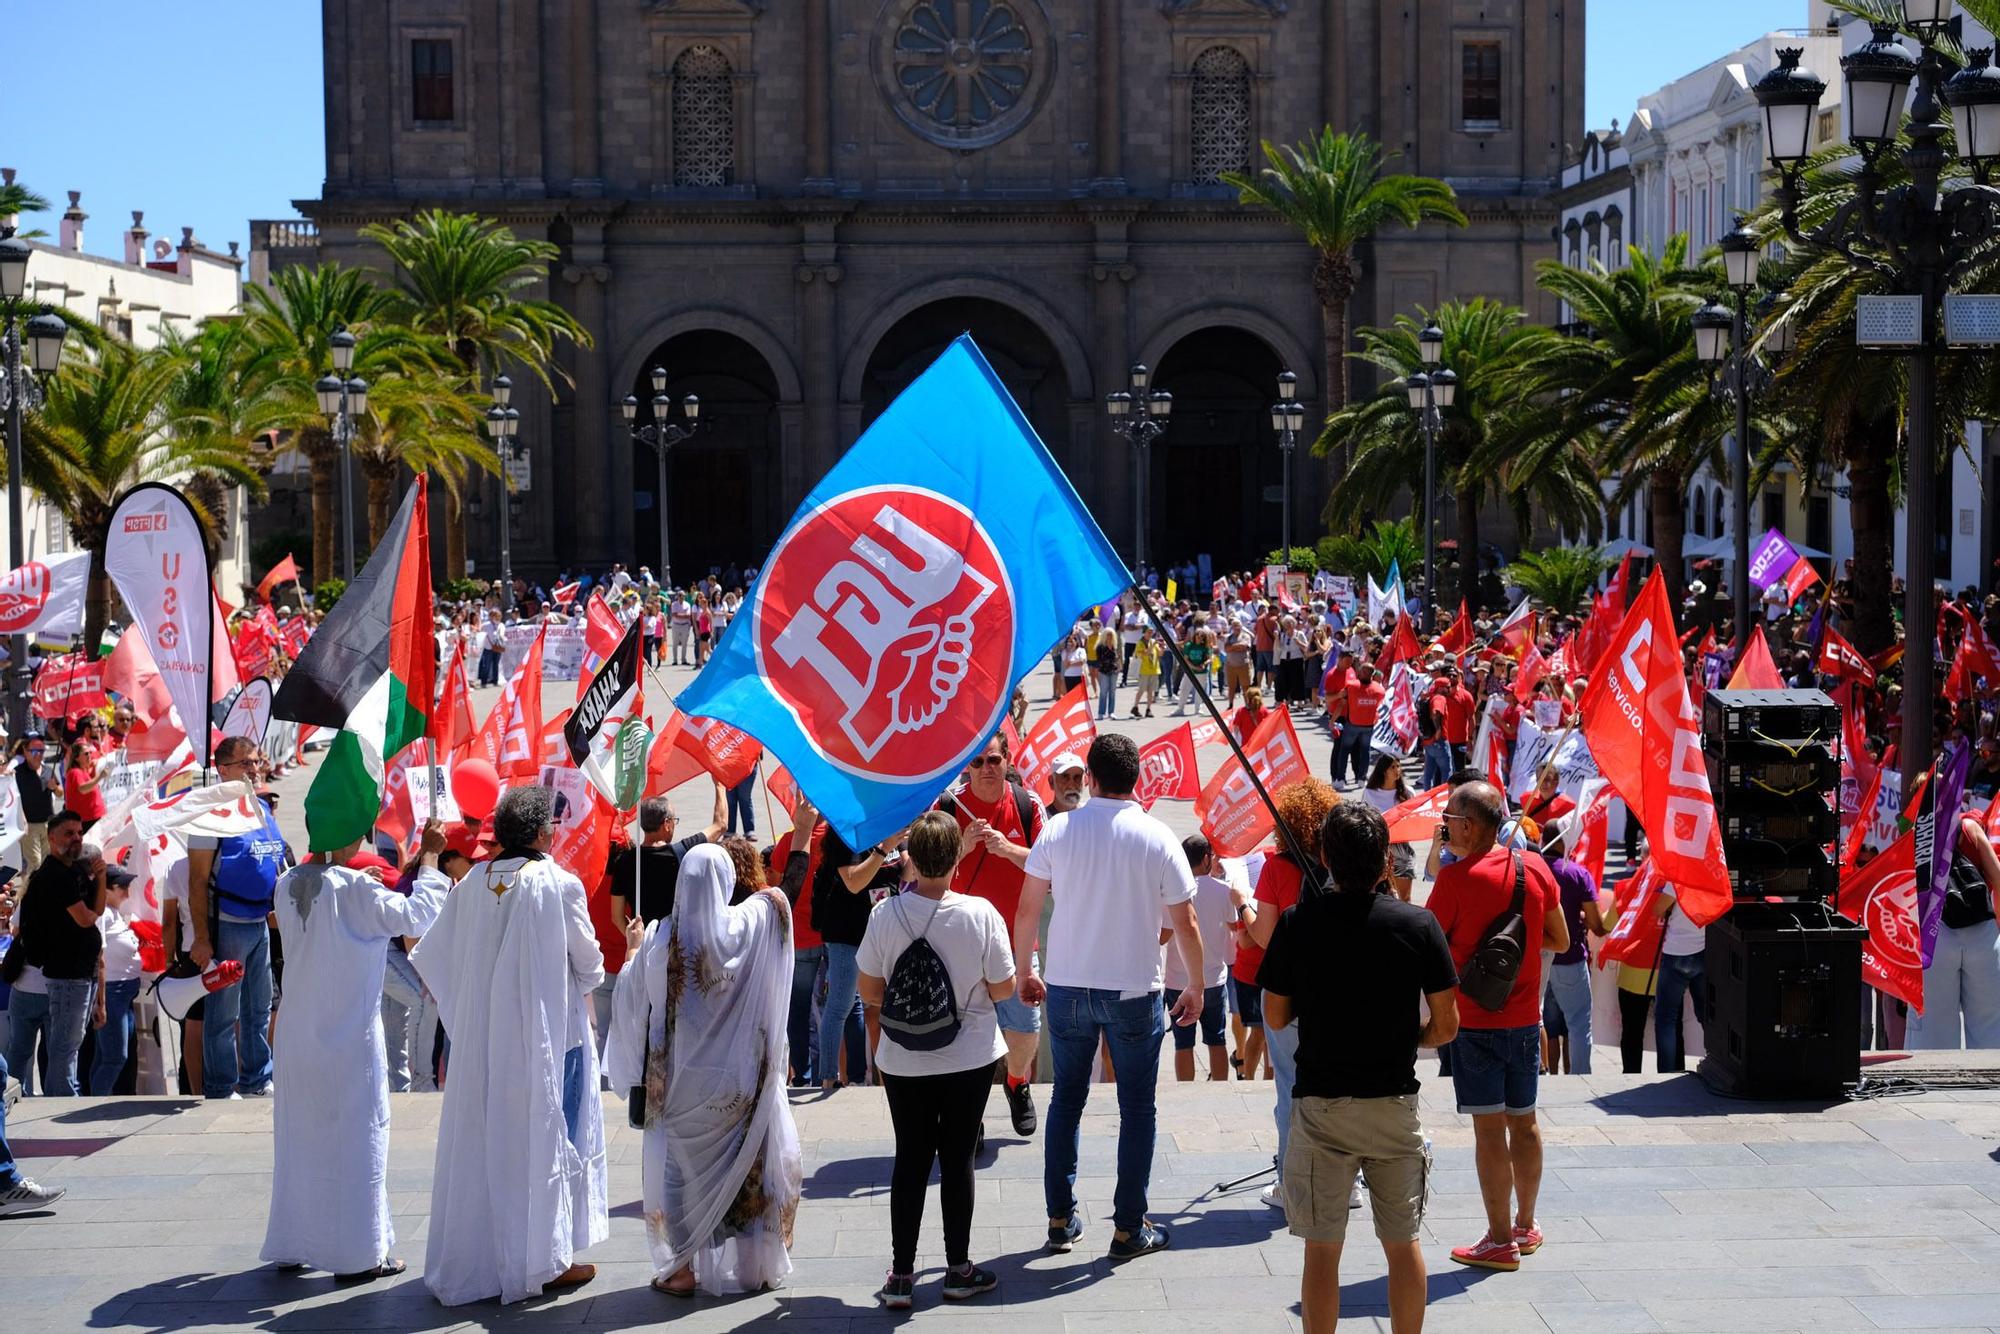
(880, 596)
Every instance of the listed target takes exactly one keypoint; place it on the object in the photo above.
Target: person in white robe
(699, 1026)
(329, 1184)
(519, 1185)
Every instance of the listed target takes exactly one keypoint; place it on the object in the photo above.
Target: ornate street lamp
(1140, 429)
(1288, 415)
(21, 392)
(661, 436)
(1431, 392)
(344, 400)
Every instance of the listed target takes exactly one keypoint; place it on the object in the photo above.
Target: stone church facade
(791, 205)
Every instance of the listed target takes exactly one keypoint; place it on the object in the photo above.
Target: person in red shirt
(991, 809)
(1496, 1057)
(795, 871)
(1360, 702)
(1247, 719)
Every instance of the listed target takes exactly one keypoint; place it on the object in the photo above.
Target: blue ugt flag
(923, 577)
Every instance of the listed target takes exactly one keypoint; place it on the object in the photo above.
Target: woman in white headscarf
(699, 1028)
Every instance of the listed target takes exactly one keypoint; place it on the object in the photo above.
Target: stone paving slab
(1756, 1223)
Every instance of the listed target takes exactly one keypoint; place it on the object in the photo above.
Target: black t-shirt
(37, 802)
(1354, 966)
(839, 915)
(657, 877)
(55, 943)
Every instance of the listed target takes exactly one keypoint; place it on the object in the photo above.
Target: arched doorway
(721, 484)
(1217, 473)
(1019, 351)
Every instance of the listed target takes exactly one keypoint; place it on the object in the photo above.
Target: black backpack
(1489, 976)
(919, 1008)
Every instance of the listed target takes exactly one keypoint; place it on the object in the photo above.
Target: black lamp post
(344, 399)
(21, 392)
(1140, 429)
(1287, 416)
(1922, 236)
(1431, 391)
(503, 423)
(662, 436)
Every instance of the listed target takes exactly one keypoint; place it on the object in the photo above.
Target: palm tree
(1559, 578)
(423, 423)
(16, 199)
(103, 418)
(212, 404)
(463, 279)
(1490, 347)
(1333, 191)
(1371, 554)
(288, 325)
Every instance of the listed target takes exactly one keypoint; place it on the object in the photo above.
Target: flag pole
(1309, 867)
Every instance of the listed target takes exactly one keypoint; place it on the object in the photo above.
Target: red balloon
(476, 788)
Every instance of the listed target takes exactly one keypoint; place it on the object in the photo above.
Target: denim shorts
(1496, 1069)
(1211, 1023)
(1015, 1015)
(1246, 1000)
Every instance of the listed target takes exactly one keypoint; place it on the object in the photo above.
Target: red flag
(1882, 896)
(1593, 826)
(1698, 682)
(1991, 819)
(399, 817)
(293, 634)
(1012, 733)
(1218, 593)
(510, 738)
(69, 686)
(778, 783)
(1977, 650)
(1615, 591)
(1642, 731)
(285, 571)
(1863, 815)
(1415, 820)
(667, 765)
(1755, 670)
(1066, 729)
(1957, 685)
(1207, 733)
(601, 633)
(1232, 815)
(555, 747)
(450, 724)
(1402, 647)
(129, 671)
(581, 845)
(731, 755)
(1457, 637)
(1517, 632)
(564, 594)
(1166, 769)
(1837, 657)
(1887, 658)
(1636, 938)
(1533, 668)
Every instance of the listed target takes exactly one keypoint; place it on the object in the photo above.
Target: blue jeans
(799, 1028)
(572, 1090)
(1107, 694)
(1356, 749)
(59, 1019)
(1437, 764)
(9, 1178)
(1679, 973)
(1570, 985)
(489, 667)
(742, 816)
(843, 1002)
(222, 1072)
(1077, 1017)
(114, 1040)
(1283, 1044)
(1497, 1070)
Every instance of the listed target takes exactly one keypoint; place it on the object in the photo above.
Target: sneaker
(263, 1090)
(24, 1196)
(896, 1292)
(1527, 1240)
(1489, 1254)
(1063, 1237)
(1021, 1106)
(11, 1096)
(1143, 1242)
(1273, 1195)
(1354, 1196)
(961, 1284)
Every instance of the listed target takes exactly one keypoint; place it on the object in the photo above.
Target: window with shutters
(1219, 130)
(1479, 86)
(704, 112)
(433, 100)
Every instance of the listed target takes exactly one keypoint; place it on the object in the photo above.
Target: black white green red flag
(368, 674)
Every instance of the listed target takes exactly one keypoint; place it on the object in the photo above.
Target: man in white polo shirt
(1114, 870)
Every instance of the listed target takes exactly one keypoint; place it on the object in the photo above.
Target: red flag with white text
(1066, 729)
(1166, 769)
(1639, 933)
(1882, 896)
(1837, 657)
(511, 737)
(1232, 815)
(1415, 820)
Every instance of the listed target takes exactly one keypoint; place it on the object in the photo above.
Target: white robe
(512, 1197)
(329, 1185)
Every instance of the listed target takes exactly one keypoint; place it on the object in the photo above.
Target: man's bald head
(1481, 803)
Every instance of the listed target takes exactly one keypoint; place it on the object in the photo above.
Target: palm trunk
(1665, 494)
(1467, 500)
(1333, 283)
(454, 537)
(1874, 520)
(324, 563)
(381, 499)
(96, 600)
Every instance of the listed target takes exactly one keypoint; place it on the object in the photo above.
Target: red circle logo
(884, 622)
(1891, 917)
(23, 594)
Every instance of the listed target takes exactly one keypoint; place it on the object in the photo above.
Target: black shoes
(1021, 1106)
(1143, 1242)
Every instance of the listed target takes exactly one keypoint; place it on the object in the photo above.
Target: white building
(158, 286)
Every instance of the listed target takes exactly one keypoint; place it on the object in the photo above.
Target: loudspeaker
(1783, 988)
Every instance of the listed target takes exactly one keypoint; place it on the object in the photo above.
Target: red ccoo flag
(1067, 728)
(1235, 819)
(1837, 657)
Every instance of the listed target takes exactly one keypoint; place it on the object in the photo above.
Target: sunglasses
(986, 761)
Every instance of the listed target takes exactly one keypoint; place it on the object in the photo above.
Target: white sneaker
(263, 1090)
(11, 1096)
(1274, 1195)
(25, 1196)
(1354, 1197)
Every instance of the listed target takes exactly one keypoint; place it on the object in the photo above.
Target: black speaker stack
(1783, 969)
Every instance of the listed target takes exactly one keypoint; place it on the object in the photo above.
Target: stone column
(819, 105)
(594, 482)
(1110, 177)
(1101, 466)
(587, 179)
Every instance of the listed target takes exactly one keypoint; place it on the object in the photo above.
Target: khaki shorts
(1332, 1139)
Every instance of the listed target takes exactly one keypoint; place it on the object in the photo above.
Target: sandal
(666, 1285)
(387, 1269)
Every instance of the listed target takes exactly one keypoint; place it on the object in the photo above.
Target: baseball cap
(1065, 763)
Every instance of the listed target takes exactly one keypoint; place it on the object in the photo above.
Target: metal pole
(666, 561)
(506, 525)
(1919, 610)
(1285, 443)
(346, 433)
(1139, 504)
(1739, 579)
(1430, 513)
(17, 645)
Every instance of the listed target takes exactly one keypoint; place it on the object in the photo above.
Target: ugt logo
(885, 623)
(23, 594)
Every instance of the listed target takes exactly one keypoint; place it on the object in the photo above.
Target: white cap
(1065, 762)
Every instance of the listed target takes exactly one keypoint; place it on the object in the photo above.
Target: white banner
(12, 826)
(250, 712)
(562, 651)
(1567, 750)
(155, 555)
(45, 596)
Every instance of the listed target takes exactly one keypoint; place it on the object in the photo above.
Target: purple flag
(1937, 839)
(1772, 559)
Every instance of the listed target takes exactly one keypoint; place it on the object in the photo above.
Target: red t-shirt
(1458, 716)
(90, 805)
(1277, 889)
(994, 879)
(1243, 722)
(1364, 702)
(609, 938)
(1466, 898)
(803, 935)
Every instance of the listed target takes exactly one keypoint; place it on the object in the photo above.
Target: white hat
(1066, 762)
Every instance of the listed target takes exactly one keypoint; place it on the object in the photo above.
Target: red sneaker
(1489, 1254)
(1527, 1240)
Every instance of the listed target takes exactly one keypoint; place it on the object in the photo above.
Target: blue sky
(209, 113)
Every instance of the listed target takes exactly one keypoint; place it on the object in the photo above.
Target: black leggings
(1632, 1007)
(937, 1120)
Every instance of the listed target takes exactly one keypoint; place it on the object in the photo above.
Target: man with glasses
(232, 887)
(38, 804)
(643, 879)
(999, 821)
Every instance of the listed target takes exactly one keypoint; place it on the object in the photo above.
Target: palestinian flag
(368, 674)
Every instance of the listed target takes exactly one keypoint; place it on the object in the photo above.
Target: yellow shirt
(1147, 655)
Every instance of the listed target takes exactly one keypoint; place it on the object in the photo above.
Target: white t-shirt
(1683, 936)
(121, 947)
(1129, 631)
(1111, 869)
(174, 891)
(968, 934)
(1212, 915)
